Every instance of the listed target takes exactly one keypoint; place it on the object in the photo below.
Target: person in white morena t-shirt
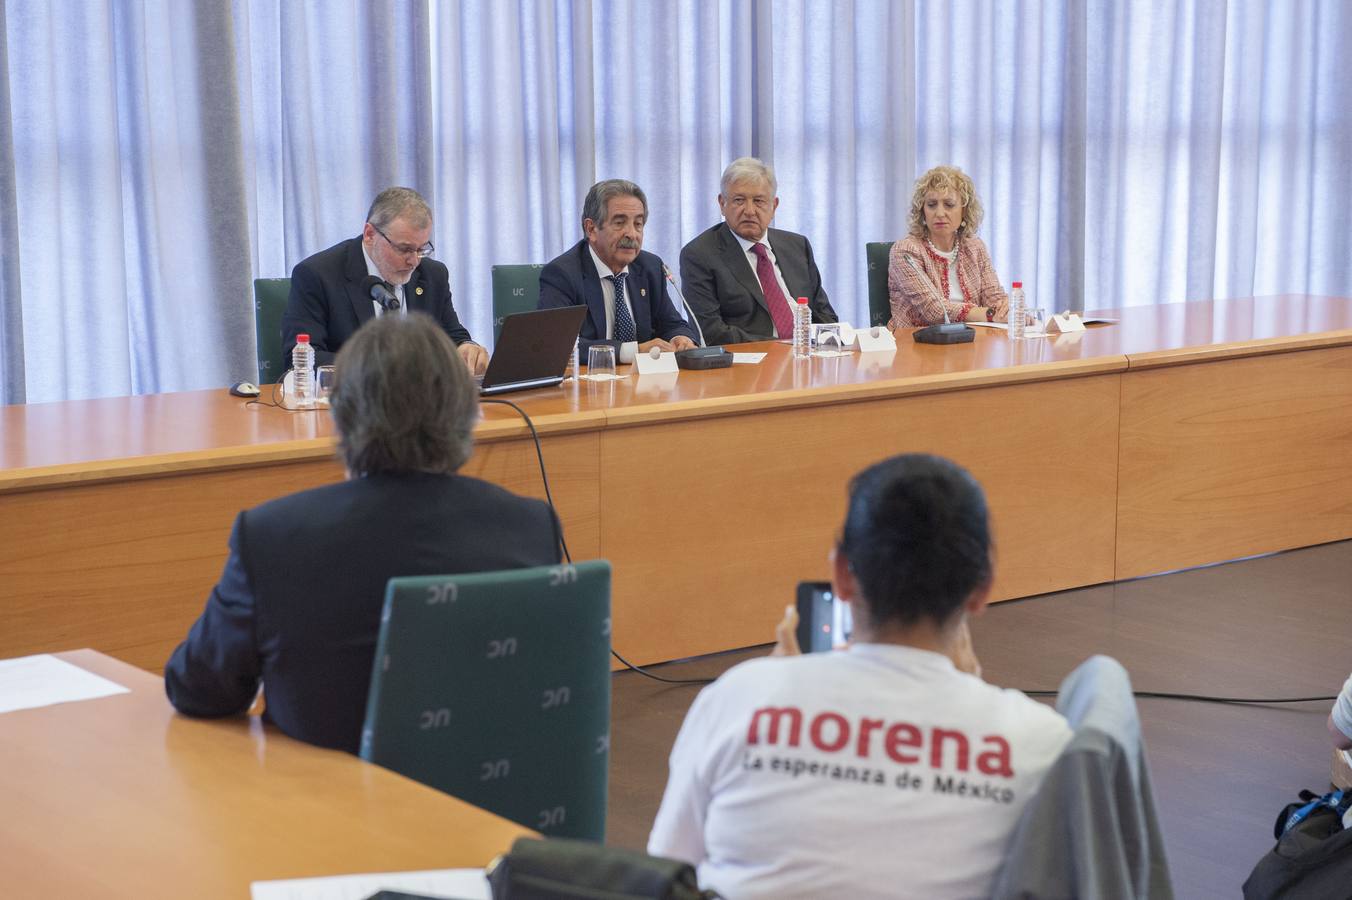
(884, 770)
(1340, 718)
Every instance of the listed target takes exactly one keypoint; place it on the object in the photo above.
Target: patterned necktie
(624, 320)
(774, 297)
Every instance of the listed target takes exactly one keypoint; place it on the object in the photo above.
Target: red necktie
(774, 297)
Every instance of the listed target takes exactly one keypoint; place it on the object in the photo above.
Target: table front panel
(1234, 457)
(711, 524)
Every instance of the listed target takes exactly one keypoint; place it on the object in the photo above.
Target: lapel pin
(418, 291)
(643, 292)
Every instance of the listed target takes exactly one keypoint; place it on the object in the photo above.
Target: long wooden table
(121, 797)
(1185, 434)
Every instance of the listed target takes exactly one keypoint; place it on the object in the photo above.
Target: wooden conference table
(121, 797)
(1185, 434)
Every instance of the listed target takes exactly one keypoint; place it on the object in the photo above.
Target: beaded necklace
(943, 267)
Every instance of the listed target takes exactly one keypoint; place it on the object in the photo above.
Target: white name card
(663, 364)
(1064, 323)
(874, 339)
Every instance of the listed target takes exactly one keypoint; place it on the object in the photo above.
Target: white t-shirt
(627, 348)
(1342, 709)
(881, 771)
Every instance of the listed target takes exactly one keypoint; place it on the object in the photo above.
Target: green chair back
(515, 289)
(495, 687)
(269, 303)
(879, 308)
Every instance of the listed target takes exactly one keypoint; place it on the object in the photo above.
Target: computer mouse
(244, 389)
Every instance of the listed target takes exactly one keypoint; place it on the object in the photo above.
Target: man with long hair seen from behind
(298, 606)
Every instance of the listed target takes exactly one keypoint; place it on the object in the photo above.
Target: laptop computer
(532, 349)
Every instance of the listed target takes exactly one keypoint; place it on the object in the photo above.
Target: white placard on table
(874, 339)
(747, 359)
(1065, 323)
(463, 884)
(28, 682)
(665, 362)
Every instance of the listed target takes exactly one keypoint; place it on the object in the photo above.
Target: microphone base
(703, 358)
(948, 333)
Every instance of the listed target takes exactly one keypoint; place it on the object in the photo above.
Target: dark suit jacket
(725, 294)
(328, 304)
(298, 605)
(572, 280)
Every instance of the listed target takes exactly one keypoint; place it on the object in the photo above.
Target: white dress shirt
(629, 348)
(398, 288)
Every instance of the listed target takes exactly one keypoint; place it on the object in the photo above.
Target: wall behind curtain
(156, 156)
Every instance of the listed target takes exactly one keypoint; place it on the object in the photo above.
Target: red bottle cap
(305, 338)
(1018, 284)
(802, 300)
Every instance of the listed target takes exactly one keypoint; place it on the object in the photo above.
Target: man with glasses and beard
(298, 604)
(331, 293)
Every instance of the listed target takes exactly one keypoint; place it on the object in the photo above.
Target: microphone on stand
(381, 292)
(948, 333)
(688, 311)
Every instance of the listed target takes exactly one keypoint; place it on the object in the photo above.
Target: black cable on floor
(1203, 698)
(558, 524)
(642, 671)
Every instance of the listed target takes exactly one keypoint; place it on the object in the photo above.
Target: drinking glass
(601, 363)
(826, 340)
(1037, 320)
(324, 376)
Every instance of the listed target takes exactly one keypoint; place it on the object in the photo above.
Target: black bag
(559, 868)
(1313, 858)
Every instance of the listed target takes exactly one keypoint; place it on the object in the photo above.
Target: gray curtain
(11, 310)
(156, 155)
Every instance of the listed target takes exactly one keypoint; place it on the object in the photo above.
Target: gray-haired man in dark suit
(741, 277)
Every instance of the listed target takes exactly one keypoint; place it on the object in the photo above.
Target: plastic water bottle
(802, 329)
(570, 369)
(1018, 311)
(303, 367)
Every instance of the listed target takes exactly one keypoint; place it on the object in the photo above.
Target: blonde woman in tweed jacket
(952, 261)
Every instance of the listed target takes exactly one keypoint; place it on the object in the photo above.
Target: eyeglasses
(407, 249)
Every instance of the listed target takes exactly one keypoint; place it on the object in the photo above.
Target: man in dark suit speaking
(742, 277)
(621, 285)
(298, 605)
(331, 294)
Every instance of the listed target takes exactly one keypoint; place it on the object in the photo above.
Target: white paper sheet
(1001, 326)
(469, 884)
(28, 682)
(749, 359)
(1091, 320)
